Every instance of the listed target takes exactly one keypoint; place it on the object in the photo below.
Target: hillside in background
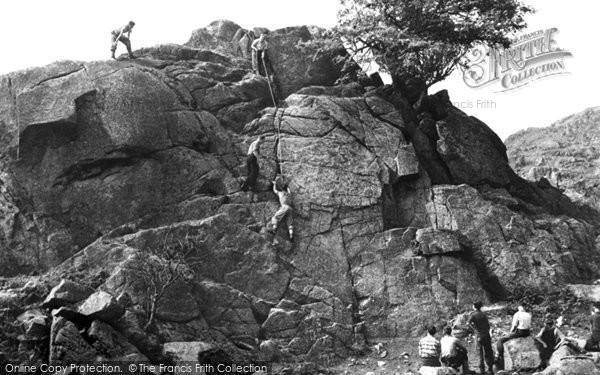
(567, 154)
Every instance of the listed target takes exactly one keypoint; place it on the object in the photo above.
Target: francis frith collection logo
(531, 57)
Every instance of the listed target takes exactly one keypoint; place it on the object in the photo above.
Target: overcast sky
(37, 32)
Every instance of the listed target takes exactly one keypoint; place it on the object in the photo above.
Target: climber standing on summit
(260, 59)
(285, 211)
(118, 35)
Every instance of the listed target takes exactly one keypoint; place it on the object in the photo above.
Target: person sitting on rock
(591, 344)
(260, 59)
(547, 340)
(430, 349)
(118, 35)
(521, 327)
(252, 167)
(480, 323)
(454, 353)
(285, 211)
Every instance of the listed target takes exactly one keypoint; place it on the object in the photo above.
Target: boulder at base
(429, 370)
(521, 353)
(65, 293)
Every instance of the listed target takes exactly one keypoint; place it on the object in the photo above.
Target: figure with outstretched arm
(285, 211)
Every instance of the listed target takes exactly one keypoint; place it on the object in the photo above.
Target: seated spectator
(454, 354)
(521, 327)
(429, 349)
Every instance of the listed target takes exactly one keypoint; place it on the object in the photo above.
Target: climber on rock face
(118, 35)
(260, 59)
(285, 211)
(252, 164)
(521, 327)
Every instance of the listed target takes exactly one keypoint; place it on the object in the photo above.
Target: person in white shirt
(453, 352)
(260, 59)
(118, 35)
(521, 327)
(285, 211)
(252, 165)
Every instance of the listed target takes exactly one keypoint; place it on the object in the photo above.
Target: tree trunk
(152, 310)
(411, 89)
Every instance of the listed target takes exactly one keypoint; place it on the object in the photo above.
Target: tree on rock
(161, 267)
(420, 42)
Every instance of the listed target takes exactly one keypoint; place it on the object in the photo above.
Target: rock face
(566, 154)
(297, 63)
(565, 361)
(125, 176)
(65, 293)
(521, 353)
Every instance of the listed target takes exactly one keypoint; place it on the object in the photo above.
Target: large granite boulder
(565, 361)
(298, 54)
(521, 354)
(66, 292)
(512, 249)
(101, 305)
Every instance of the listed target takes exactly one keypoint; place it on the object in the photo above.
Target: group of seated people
(450, 352)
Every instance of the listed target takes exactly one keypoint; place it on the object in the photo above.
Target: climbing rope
(278, 151)
(268, 80)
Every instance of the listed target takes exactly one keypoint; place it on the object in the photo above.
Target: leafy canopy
(420, 42)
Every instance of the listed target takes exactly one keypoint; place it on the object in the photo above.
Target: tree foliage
(420, 42)
(162, 267)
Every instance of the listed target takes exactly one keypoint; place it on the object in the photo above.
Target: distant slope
(567, 154)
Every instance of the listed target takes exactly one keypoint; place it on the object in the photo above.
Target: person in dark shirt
(591, 344)
(547, 341)
(480, 323)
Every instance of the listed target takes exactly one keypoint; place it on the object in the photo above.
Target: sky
(38, 32)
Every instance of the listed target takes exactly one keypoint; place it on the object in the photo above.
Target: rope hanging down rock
(278, 152)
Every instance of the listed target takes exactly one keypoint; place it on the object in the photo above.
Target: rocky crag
(566, 154)
(405, 213)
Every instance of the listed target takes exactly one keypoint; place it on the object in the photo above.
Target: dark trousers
(486, 354)
(591, 344)
(430, 361)
(516, 334)
(545, 353)
(500, 344)
(252, 169)
(260, 59)
(123, 39)
(460, 360)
